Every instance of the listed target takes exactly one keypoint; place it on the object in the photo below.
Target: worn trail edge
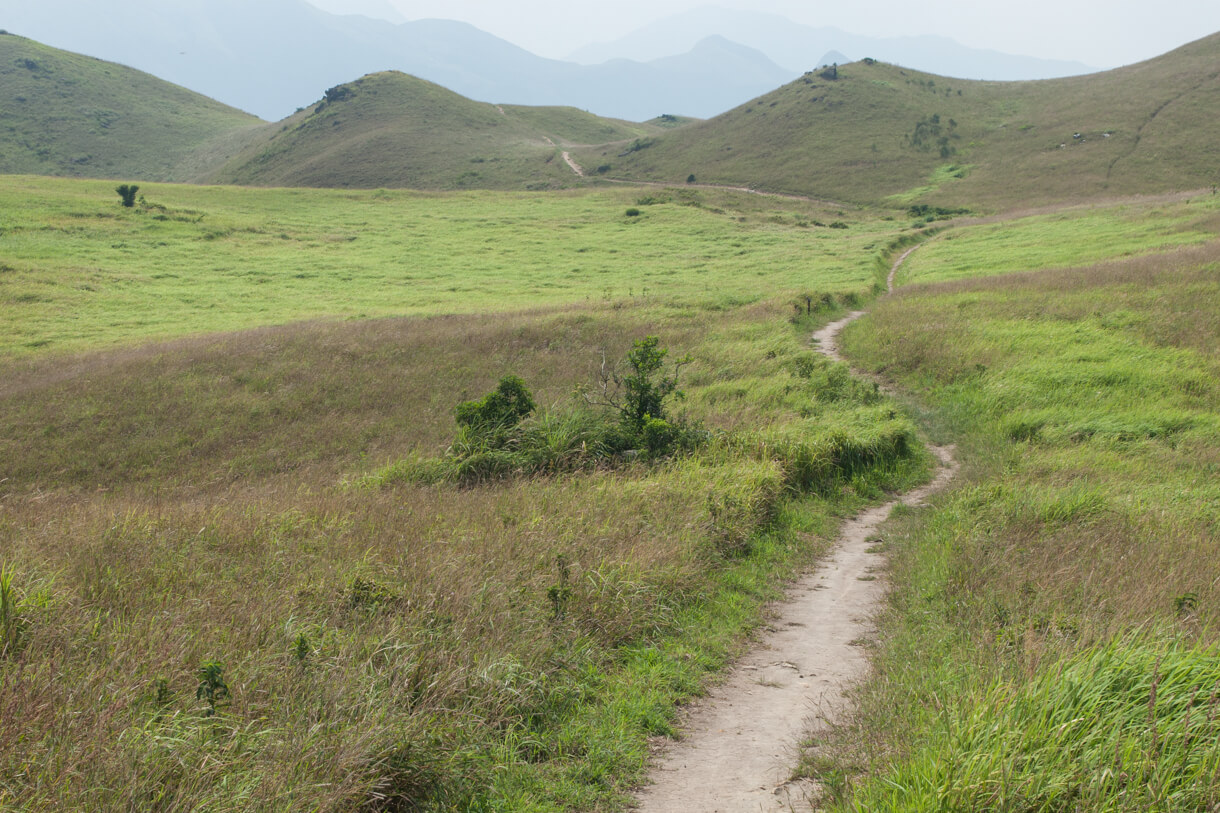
(741, 741)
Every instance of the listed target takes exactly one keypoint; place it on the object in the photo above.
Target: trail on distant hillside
(741, 741)
(577, 168)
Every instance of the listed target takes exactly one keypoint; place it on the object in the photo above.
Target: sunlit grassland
(1065, 239)
(384, 645)
(79, 272)
(1050, 640)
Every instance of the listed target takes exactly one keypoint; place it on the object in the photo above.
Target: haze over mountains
(868, 132)
(799, 47)
(271, 57)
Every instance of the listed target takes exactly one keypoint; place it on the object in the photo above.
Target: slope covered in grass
(218, 594)
(1051, 639)
(394, 130)
(878, 133)
(66, 114)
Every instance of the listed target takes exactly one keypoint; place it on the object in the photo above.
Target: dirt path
(577, 168)
(741, 741)
(727, 188)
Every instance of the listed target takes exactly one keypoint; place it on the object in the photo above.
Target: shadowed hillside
(871, 131)
(394, 130)
(66, 114)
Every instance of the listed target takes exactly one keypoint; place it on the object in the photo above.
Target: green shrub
(501, 409)
(648, 384)
(127, 192)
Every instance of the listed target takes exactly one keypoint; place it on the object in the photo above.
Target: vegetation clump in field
(1129, 726)
(624, 417)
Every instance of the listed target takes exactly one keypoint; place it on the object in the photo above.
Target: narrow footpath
(740, 743)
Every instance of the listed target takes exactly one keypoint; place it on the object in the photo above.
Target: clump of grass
(12, 622)
(1128, 726)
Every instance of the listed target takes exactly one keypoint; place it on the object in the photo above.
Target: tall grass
(507, 645)
(1123, 727)
(1075, 568)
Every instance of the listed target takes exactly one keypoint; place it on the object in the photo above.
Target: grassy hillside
(1051, 641)
(394, 130)
(221, 588)
(878, 133)
(66, 114)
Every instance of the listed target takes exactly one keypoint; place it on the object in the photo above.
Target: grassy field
(78, 271)
(217, 591)
(1051, 638)
(1066, 239)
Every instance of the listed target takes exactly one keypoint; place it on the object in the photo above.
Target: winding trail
(741, 741)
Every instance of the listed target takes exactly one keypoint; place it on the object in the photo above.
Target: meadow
(218, 593)
(1051, 640)
(78, 271)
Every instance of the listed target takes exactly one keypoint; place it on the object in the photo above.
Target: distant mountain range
(272, 56)
(867, 132)
(269, 57)
(799, 48)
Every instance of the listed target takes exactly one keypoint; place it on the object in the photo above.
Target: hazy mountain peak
(793, 45)
(374, 9)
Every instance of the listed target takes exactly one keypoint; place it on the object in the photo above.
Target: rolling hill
(394, 130)
(67, 114)
(872, 132)
(270, 56)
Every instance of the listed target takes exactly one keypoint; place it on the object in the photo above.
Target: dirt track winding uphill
(577, 168)
(741, 740)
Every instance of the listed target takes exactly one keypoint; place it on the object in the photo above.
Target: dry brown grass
(398, 647)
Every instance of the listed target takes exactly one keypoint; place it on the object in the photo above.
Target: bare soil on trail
(577, 168)
(741, 742)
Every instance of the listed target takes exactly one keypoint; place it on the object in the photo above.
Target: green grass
(67, 114)
(882, 134)
(1080, 546)
(1065, 239)
(217, 512)
(1039, 745)
(77, 271)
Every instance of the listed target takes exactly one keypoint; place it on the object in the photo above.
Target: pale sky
(1101, 34)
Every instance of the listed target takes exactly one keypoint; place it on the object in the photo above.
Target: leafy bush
(501, 409)
(127, 192)
(648, 385)
(498, 436)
